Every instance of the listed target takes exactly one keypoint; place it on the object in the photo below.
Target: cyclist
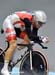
(24, 25)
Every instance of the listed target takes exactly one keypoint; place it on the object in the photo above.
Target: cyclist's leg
(25, 38)
(11, 38)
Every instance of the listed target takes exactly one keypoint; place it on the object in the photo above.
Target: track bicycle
(33, 62)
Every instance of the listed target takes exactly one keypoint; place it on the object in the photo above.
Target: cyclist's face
(37, 24)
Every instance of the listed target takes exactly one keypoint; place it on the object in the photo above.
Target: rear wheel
(39, 64)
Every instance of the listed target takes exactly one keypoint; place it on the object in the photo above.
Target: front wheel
(39, 64)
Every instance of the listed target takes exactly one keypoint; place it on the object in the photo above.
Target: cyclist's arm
(34, 36)
(27, 26)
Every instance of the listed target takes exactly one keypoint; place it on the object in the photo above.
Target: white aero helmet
(40, 16)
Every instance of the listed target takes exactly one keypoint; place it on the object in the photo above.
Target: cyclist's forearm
(35, 38)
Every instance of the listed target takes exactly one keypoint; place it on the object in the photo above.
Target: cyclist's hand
(45, 39)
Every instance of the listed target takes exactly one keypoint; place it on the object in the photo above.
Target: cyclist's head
(39, 17)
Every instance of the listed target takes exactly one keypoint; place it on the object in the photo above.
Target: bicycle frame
(11, 65)
(30, 49)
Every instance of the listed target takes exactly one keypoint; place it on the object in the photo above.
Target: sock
(4, 70)
(5, 65)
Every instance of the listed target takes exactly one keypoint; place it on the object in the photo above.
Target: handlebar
(30, 45)
(43, 47)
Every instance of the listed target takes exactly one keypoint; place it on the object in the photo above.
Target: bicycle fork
(31, 67)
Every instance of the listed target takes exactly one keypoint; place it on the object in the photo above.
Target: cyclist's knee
(13, 43)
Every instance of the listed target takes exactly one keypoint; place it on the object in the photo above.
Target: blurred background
(10, 6)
